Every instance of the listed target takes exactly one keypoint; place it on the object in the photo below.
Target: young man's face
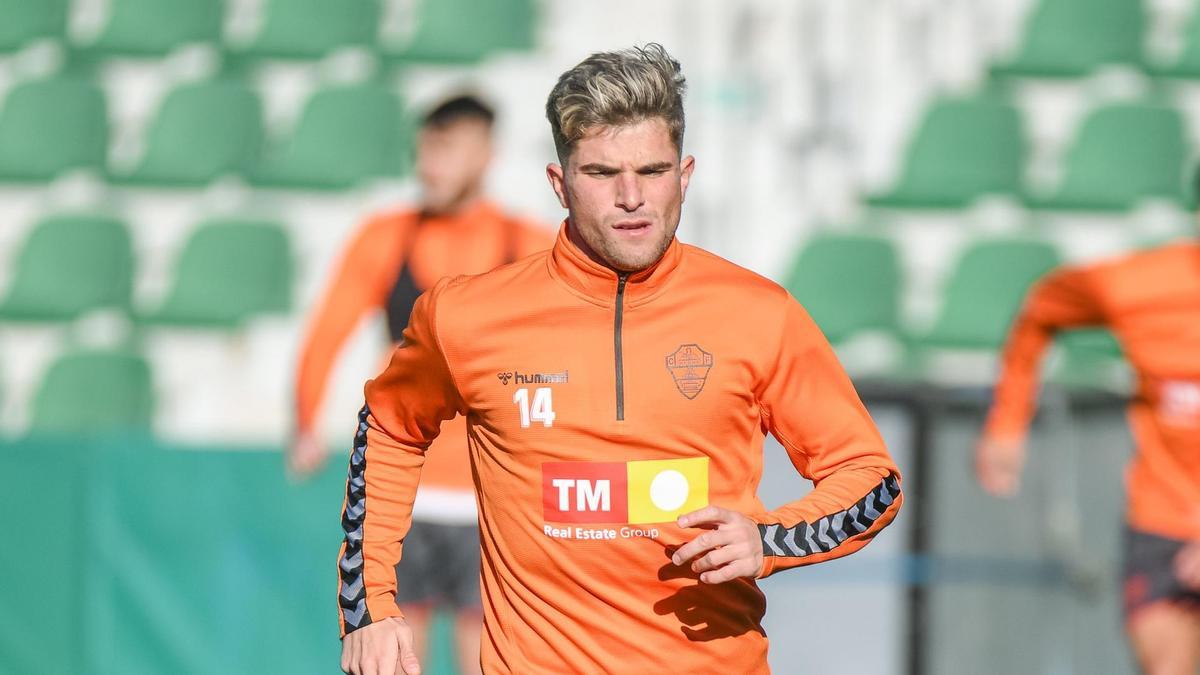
(623, 188)
(451, 162)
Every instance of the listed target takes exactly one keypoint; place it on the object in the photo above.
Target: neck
(468, 198)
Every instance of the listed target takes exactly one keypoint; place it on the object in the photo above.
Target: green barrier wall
(128, 556)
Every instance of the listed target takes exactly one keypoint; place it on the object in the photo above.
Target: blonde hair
(616, 88)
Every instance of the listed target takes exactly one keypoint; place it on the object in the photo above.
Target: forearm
(842, 513)
(381, 486)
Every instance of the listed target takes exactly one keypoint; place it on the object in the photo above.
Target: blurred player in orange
(391, 260)
(617, 391)
(1151, 302)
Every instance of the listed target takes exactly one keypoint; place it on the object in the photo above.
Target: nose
(629, 192)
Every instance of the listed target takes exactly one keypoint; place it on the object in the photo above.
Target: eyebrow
(656, 166)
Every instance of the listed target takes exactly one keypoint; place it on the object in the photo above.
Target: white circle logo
(669, 490)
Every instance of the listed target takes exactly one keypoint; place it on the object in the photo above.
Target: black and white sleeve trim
(830, 531)
(352, 596)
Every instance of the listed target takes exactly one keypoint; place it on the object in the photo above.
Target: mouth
(632, 225)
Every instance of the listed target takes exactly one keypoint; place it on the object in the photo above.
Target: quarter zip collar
(598, 284)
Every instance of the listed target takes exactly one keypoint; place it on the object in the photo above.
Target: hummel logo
(533, 378)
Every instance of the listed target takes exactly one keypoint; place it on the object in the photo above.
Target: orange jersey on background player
(600, 409)
(391, 259)
(1151, 303)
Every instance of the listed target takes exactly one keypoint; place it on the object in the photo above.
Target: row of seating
(442, 31)
(205, 130)
(966, 148)
(1072, 38)
(228, 272)
(852, 283)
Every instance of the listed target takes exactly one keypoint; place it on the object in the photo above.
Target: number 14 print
(541, 410)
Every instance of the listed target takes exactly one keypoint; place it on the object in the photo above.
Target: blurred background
(176, 178)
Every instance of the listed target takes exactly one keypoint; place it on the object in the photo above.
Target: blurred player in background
(1151, 302)
(617, 388)
(395, 256)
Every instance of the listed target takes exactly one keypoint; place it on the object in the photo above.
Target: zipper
(621, 279)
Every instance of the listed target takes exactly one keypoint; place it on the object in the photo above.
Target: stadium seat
(985, 291)
(155, 28)
(201, 132)
(311, 29)
(70, 265)
(1187, 64)
(94, 392)
(848, 283)
(964, 148)
(49, 126)
(1089, 359)
(1123, 153)
(464, 31)
(229, 272)
(345, 134)
(1071, 38)
(23, 21)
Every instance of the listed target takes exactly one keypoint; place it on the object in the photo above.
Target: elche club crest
(689, 366)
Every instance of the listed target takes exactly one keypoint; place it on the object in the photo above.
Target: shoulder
(380, 233)
(471, 292)
(1159, 261)
(722, 275)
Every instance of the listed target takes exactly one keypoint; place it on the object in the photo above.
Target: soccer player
(1151, 302)
(394, 256)
(617, 390)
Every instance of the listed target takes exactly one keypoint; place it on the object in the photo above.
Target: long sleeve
(358, 286)
(405, 407)
(1065, 298)
(809, 404)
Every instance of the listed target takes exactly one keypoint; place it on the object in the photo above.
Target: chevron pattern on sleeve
(352, 596)
(829, 532)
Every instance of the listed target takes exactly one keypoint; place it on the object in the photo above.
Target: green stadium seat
(1124, 153)
(148, 28)
(1089, 359)
(985, 291)
(201, 132)
(1071, 38)
(23, 21)
(964, 149)
(345, 134)
(229, 272)
(69, 265)
(94, 392)
(311, 29)
(848, 284)
(50, 126)
(1187, 64)
(465, 31)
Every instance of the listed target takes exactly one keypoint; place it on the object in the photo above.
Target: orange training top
(392, 258)
(1151, 302)
(600, 408)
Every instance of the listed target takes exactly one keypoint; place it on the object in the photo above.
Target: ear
(558, 182)
(685, 175)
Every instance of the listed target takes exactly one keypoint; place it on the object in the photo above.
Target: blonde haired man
(616, 418)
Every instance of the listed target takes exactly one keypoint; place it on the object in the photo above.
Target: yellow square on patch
(661, 490)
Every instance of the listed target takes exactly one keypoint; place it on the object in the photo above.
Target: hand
(306, 455)
(730, 548)
(998, 466)
(1187, 565)
(382, 648)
